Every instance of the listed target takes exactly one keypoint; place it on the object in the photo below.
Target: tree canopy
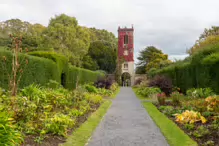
(209, 36)
(103, 56)
(149, 58)
(90, 48)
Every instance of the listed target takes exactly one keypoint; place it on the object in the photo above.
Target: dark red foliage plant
(138, 81)
(104, 82)
(162, 82)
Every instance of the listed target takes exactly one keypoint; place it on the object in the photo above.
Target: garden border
(173, 134)
(81, 136)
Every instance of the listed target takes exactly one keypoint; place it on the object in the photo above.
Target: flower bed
(198, 117)
(46, 116)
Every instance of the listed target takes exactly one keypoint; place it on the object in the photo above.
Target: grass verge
(174, 135)
(81, 135)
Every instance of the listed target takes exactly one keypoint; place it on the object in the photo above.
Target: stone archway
(126, 79)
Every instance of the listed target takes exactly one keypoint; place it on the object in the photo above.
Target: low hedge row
(42, 67)
(199, 71)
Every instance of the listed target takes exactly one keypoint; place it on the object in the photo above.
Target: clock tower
(126, 53)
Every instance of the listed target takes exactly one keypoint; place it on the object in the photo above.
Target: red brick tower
(126, 51)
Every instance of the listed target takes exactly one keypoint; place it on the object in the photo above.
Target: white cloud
(171, 25)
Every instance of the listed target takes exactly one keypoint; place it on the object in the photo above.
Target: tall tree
(67, 37)
(103, 54)
(31, 33)
(209, 36)
(151, 57)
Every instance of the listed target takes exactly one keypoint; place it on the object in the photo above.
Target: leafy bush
(90, 88)
(148, 91)
(167, 110)
(176, 97)
(93, 98)
(104, 83)
(161, 98)
(212, 103)
(101, 91)
(190, 117)
(138, 81)
(162, 82)
(59, 124)
(195, 104)
(114, 86)
(200, 92)
(189, 126)
(9, 136)
(201, 131)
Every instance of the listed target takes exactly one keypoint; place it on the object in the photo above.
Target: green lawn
(174, 135)
(81, 135)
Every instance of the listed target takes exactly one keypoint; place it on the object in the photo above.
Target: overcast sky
(171, 25)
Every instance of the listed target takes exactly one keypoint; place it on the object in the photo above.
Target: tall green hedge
(42, 67)
(202, 70)
(60, 60)
(38, 70)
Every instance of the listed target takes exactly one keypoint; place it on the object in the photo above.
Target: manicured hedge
(202, 70)
(42, 67)
(38, 70)
(60, 60)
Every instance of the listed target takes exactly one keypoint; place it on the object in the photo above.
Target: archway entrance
(126, 79)
(63, 79)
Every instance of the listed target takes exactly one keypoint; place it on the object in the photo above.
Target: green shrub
(9, 136)
(93, 98)
(167, 110)
(189, 126)
(199, 92)
(59, 124)
(148, 91)
(90, 88)
(176, 97)
(201, 132)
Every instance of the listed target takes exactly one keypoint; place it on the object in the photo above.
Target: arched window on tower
(126, 39)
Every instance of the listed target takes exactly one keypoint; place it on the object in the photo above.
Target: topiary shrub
(162, 82)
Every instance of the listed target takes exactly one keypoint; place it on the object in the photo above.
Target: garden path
(127, 123)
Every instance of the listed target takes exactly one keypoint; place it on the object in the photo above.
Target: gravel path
(127, 123)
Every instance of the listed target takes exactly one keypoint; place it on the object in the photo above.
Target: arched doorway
(63, 79)
(126, 79)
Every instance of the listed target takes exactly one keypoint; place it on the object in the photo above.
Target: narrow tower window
(126, 65)
(126, 39)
